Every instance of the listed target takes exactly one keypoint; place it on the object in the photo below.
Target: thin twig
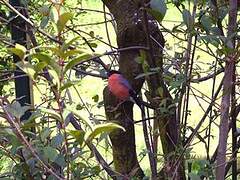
(191, 137)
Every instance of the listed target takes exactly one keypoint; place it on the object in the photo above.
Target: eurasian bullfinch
(120, 87)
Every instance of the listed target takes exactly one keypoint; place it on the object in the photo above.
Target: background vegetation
(180, 56)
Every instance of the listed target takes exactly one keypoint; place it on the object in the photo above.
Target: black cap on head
(109, 73)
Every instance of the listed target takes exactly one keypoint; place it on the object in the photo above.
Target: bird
(120, 87)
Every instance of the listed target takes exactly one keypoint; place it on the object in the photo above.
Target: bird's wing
(132, 93)
(125, 83)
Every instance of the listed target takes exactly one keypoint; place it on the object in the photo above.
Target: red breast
(117, 88)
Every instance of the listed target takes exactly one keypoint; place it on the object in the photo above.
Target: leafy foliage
(67, 128)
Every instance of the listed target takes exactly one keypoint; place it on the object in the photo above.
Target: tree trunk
(227, 89)
(132, 30)
(23, 87)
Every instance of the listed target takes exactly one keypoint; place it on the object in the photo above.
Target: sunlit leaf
(57, 51)
(42, 57)
(103, 128)
(71, 53)
(53, 15)
(76, 61)
(27, 68)
(78, 135)
(40, 66)
(65, 46)
(55, 76)
(47, 59)
(51, 112)
(63, 19)
(21, 47)
(19, 50)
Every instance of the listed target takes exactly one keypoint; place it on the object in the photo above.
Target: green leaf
(103, 128)
(75, 61)
(93, 45)
(68, 84)
(49, 61)
(141, 59)
(95, 98)
(40, 66)
(160, 91)
(53, 14)
(206, 22)
(16, 109)
(19, 50)
(158, 9)
(215, 31)
(196, 167)
(211, 39)
(42, 57)
(44, 22)
(45, 134)
(91, 33)
(194, 176)
(63, 19)
(21, 47)
(187, 18)
(78, 135)
(55, 76)
(50, 153)
(51, 177)
(27, 68)
(60, 160)
(57, 140)
(51, 112)
(223, 11)
(44, 10)
(58, 51)
(11, 137)
(65, 46)
(71, 53)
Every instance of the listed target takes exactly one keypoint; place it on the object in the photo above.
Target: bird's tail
(138, 101)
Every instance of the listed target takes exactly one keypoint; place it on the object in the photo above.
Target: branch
(16, 127)
(201, 79)
(191, 137)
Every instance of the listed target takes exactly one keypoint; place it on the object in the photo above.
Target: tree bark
(134, 30)
(227, 89)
